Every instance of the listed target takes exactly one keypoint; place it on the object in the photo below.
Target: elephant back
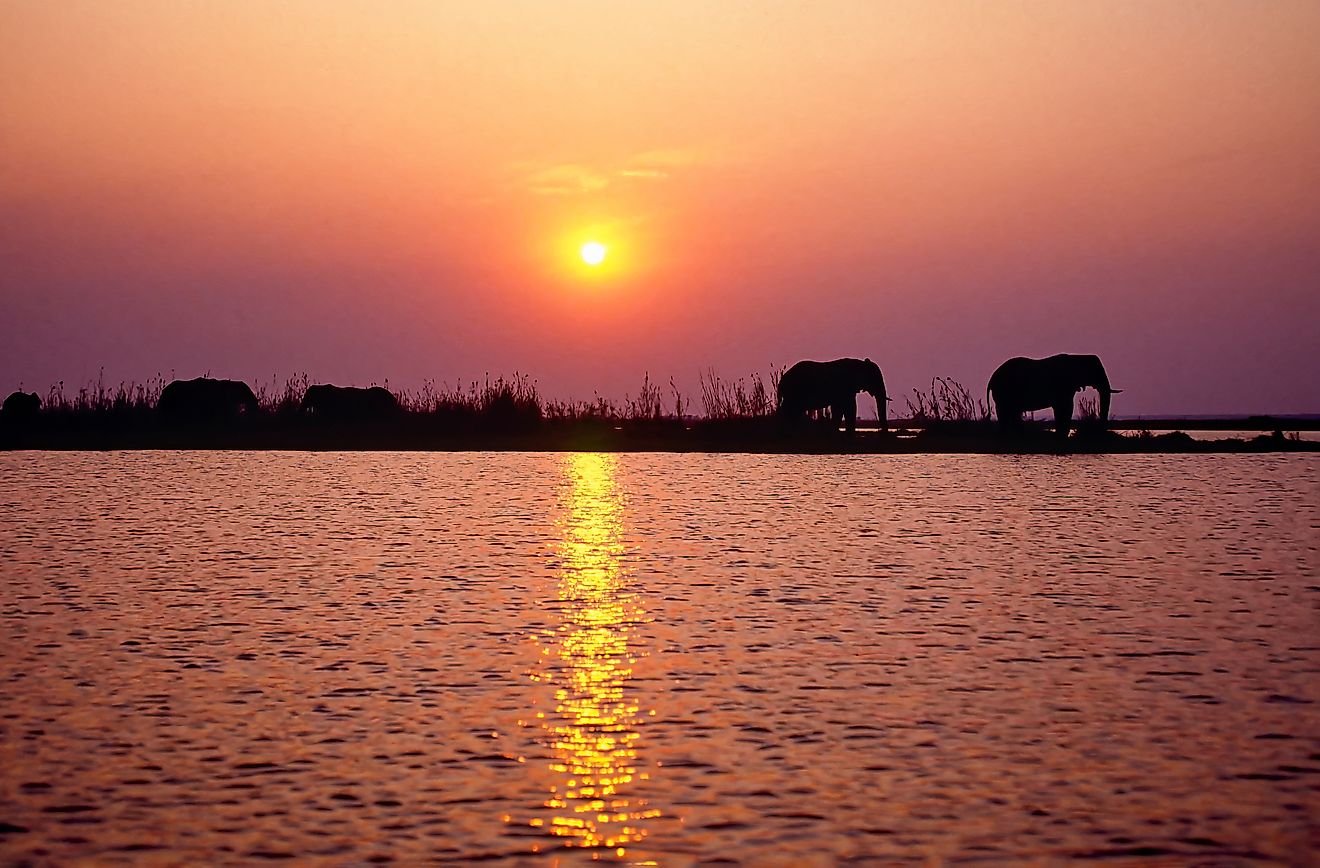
(21, 405)
(349, 404)
(809, 384)
(206, 399)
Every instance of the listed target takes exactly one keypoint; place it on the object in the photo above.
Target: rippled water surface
(678, 659)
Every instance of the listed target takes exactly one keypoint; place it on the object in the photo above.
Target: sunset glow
(663, 432)
(406, 192)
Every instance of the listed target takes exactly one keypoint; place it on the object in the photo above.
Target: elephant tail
(987, 398)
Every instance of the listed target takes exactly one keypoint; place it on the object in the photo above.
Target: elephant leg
(850, 416)
(1063, 417)
(1009, 418)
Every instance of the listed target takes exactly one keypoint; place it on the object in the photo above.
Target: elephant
(349, 404)
(812, 385)
(1021, 384)
(206, 400)
(21, 406)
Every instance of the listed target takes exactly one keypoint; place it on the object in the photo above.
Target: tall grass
(283, 400)
(743, 398)
(511, 403)
(650, 404)
(1086, 418)
(101, 399)
(499, 403)
(946, 401)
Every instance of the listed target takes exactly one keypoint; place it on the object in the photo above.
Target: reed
(1086, 418)
(743, 398)
(286, 400)
(510, 403)
(510, 412)
(100, 399)
(947, 401)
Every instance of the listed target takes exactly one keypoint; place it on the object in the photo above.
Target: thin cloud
(577, 179)
(568, 179)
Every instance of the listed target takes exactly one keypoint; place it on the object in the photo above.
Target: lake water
(672, 659)
(1211, 434)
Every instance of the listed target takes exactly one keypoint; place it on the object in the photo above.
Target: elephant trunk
(1100, 382)
(882, 410)
(1106, 392)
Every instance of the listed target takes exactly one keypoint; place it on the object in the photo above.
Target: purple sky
(401, 193)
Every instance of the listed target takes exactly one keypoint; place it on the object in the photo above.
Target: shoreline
(698, 439)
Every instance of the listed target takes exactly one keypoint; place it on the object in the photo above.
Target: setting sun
(593, 253)
(586, 381)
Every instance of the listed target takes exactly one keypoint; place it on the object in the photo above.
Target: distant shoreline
(510, 415)
(673, 437)
(740, 416)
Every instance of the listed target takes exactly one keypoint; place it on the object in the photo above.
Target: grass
(100, 399)
(516, 403)
(510, 412)
(495, 410)
(948, 408)
(505, 404)
(512, 403)
(748, 398)
(946, 401)
(282, 401)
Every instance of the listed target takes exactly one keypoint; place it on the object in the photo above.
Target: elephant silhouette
(21, 406)
(206, 400)
(349, 404)
(812, 385)
(1020, 385)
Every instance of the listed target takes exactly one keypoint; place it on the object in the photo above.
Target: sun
(593, 253)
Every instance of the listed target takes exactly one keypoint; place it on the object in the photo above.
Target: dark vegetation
(732, 415)
(948, 408)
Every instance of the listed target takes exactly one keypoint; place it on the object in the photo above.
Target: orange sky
(396, 190)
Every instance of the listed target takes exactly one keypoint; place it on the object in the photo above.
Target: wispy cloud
(576, 179)
(568, 179)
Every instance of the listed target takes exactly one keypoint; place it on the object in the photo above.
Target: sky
(398, 191)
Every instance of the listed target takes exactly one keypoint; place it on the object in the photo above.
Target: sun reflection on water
(593, 732)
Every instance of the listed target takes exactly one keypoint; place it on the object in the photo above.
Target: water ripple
(682, 659)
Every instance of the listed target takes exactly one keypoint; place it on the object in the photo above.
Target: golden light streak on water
(594, 730)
